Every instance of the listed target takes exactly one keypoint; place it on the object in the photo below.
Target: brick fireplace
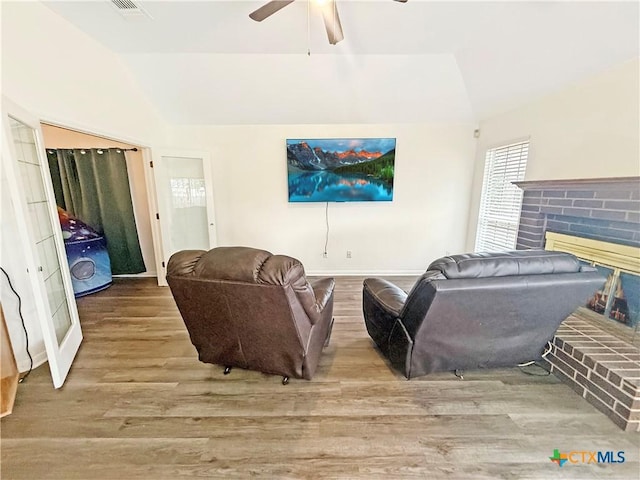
(597, 357)
(602, 209)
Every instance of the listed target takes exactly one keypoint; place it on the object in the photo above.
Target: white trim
(507, 143)
(152, 198)
(364, 273)
(136, 275)
(501, 199)
(38, 359)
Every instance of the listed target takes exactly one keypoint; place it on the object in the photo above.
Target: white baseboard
(38, 359)
(137, 275)
(364, 273)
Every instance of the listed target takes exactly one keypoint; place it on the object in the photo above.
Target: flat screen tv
(341, 169)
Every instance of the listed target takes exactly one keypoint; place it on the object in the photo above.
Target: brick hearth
(600, 367)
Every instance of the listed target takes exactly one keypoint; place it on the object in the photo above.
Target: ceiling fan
(329, 15)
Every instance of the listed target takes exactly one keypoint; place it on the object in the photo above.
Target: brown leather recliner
(248, 308)
(476, 310)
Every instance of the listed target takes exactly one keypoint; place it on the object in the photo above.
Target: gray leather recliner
(247, 308)
(476, 310)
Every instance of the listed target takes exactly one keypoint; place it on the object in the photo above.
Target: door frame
(159, 230)
(60, 356)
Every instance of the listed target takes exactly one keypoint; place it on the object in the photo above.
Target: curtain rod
(134, 149)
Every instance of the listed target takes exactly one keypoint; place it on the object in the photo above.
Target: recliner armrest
(184, 262)
(588, 268)
(323, 289)
(388, 296)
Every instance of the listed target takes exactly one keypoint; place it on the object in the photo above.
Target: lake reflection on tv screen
(328, 186)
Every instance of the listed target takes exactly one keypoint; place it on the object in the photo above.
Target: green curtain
(93, 185)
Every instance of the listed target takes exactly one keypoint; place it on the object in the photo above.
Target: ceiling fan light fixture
(268, 9)
(332, 21)
(328, 8)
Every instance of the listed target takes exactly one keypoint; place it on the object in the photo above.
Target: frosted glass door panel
(26, 176)
(42, 226)
(184, 192)
(187, 206)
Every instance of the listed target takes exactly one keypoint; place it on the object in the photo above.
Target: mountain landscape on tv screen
(341, 170)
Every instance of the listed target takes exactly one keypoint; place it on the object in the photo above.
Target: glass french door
(185, 203)
(36, 214)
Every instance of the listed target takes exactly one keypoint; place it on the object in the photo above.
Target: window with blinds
(501, 199)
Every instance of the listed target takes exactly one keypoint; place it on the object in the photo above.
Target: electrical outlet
(348, 253)
(324, 255)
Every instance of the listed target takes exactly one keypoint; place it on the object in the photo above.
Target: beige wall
(588, 130)
(426, 219)
(56, 137)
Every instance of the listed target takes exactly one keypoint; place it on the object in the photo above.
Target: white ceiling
(206, 62)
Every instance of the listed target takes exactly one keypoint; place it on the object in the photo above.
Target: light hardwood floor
(139, 405)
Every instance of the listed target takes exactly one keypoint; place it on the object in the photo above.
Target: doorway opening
(65, 140)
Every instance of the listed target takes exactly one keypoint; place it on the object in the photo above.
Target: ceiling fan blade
(269, 9)
(332, 22)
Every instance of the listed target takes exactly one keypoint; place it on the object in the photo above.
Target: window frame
(501, 199)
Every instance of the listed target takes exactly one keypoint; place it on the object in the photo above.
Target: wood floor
(139, 405)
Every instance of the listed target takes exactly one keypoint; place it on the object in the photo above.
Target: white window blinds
(501, 199)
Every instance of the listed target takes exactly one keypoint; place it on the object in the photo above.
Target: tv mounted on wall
(341, 169)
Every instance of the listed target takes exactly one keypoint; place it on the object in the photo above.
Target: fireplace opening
(618, 300)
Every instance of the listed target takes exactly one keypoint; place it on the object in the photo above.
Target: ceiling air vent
(127, 7)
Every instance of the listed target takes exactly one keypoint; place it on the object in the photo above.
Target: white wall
(62, 76)
(588, 130)
(65, 77)
(426, 219)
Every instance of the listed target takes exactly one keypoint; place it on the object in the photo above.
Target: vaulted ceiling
(206, 62)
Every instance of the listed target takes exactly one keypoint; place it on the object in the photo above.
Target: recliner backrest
(244, 307)
(247, 265)
(503, 264)
(479, 266)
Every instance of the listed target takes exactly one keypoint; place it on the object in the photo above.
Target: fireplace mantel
(614, 255)
(579, 183)
(606, 209)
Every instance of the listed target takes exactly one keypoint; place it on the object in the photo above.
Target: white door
(36, 213)
(185, 203)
